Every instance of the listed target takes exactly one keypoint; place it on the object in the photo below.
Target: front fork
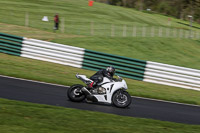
(120, 93)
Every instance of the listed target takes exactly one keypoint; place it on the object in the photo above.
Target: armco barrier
(172, 75)
(126, 67)
(52, 52)
(92, 60)
(81, 58)
(10, 44)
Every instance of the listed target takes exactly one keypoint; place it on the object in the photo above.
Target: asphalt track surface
(34, 92)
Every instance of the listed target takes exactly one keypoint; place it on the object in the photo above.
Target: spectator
(56, 22)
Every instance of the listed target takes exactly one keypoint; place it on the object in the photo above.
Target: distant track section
(92, 60)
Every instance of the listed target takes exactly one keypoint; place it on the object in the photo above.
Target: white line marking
(165, 101)
(131, 96)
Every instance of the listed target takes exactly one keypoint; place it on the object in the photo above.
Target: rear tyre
(121, 99)
(75, 94)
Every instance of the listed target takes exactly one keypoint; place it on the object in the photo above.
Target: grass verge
(25, 117)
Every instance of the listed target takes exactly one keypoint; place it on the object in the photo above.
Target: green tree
(177, 8)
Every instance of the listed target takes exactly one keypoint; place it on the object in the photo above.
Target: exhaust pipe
(86, 91)
(89, 95)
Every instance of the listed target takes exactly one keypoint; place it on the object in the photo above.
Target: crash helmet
(111, 70)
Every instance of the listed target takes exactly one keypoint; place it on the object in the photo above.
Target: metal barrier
(172, 75)
(126, 67)
(52, 52)
(10, 44)
(92, 60)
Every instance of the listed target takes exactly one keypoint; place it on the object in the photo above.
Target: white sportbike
(108, 91)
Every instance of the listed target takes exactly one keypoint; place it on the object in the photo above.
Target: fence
(122, 30)
(92, 60)
(92, 28)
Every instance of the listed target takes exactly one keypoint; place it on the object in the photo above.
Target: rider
(98, 76)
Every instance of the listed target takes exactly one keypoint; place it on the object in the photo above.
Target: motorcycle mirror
(119, 78)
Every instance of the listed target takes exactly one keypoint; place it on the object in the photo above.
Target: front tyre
(121, 99)
(75, 94)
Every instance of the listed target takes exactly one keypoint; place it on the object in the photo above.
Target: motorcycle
(108, 91)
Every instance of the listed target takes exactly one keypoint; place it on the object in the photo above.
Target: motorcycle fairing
(111, 88)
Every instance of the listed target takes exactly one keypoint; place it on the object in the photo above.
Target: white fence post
(124, 31)
(197, 35)
(134, 31)
(186, 34)
(63, 25)
(180, 33)
(160, 32)
(92, 28)
(27, 19)
(112, 30)
(174, 32)
(144, 31)
(167, 32)
(191, 34)
(152, 31)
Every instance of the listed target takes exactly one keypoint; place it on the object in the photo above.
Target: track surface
(56, 95)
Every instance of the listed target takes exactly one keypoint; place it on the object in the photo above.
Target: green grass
(22, 117)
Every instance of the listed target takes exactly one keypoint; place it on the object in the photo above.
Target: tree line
(178, 8)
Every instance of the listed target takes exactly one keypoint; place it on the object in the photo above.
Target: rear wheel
(75, 94)
(121, 99)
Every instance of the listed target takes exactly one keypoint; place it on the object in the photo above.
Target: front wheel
(75, 94)
(121, 99)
